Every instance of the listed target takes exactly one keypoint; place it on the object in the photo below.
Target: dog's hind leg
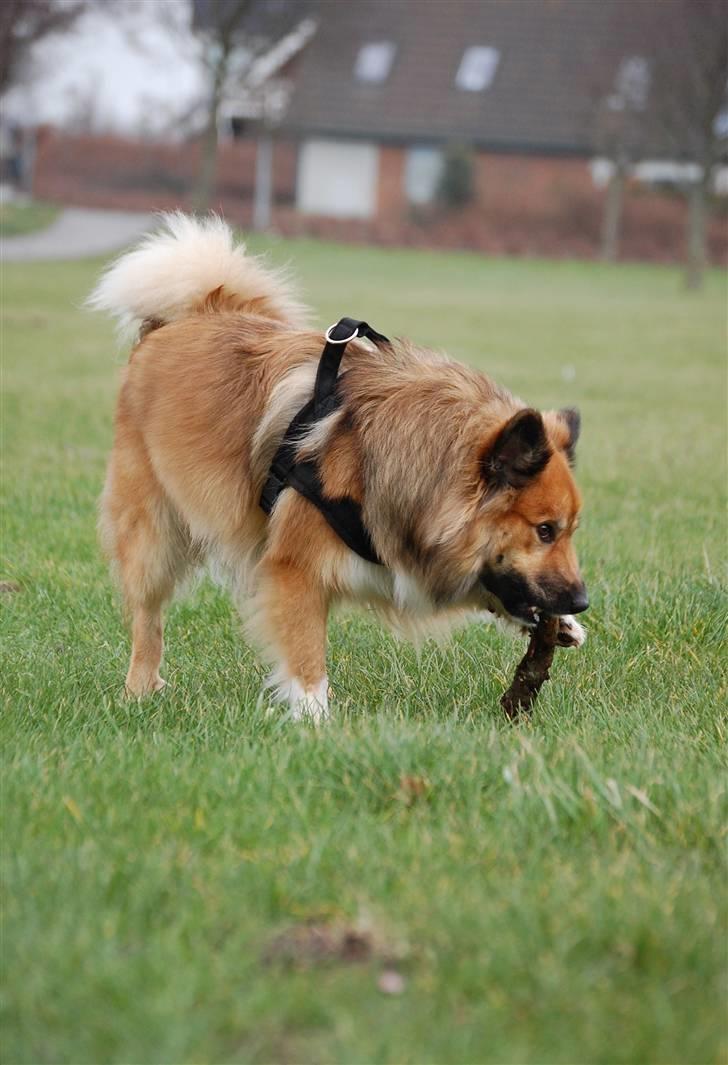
(143, 537)
(291, 612)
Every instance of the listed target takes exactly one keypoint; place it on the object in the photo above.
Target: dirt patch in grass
(322, 943)
(313, 944)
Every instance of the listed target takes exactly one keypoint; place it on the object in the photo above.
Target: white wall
(338, 179)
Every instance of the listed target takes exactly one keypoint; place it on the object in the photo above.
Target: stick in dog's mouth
(533, 669)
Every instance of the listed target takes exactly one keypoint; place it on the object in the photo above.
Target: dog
(466, 494)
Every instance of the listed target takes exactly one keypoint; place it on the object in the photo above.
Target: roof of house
(252, 18)
(552, 55)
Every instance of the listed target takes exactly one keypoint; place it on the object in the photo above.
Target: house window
(423, 169)
(477, 68)
(632, 84)
(374, 61)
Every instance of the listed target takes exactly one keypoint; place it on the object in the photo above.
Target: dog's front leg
(292, 612)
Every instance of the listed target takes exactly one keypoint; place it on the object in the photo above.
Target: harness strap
(337, 337)
(343, 515)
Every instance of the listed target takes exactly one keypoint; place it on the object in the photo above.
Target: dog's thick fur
(457, 480)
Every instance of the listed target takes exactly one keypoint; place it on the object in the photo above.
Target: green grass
(553, 892)
(17, 219)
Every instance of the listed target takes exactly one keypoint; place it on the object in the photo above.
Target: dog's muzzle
(522, 601)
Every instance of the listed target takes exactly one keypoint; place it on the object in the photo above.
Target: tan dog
(467, 495)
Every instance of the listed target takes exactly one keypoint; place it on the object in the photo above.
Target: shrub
(455, 188)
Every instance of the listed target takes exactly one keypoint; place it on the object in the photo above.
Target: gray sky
(130, 69)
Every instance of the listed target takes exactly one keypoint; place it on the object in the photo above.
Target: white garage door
(338, 179)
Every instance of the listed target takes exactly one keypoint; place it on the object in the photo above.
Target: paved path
(76, 233)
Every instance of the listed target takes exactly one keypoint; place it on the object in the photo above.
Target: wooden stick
(533, 669)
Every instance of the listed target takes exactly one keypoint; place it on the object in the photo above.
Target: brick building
(377, 102)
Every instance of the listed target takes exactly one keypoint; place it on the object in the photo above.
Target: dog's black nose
(569, 599)
(579, 601)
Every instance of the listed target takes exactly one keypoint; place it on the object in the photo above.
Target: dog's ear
(563, 428)
(519, 452)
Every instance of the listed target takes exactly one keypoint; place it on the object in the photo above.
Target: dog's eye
(546, 532)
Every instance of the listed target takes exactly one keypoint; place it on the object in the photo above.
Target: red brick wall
(529, 204)
(527, 201)
(524, 205)
(116, 172)
(390, 194)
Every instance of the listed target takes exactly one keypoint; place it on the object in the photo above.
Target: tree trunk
(697, 256)
(612, 220)
(208, 151)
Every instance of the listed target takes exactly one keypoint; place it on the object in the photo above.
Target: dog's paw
(138, 687)
(311, 706)
(571, 633)
(304, 704)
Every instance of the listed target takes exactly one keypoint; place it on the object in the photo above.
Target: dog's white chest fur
(366, 580)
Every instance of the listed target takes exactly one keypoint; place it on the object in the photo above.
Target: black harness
(343, 515)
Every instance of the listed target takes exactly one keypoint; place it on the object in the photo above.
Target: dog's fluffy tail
(191, 265)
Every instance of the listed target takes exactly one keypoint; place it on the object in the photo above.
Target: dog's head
(526, 470)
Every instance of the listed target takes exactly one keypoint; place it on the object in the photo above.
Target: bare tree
(23, 23)
(620, 135)
(235, 33)
(618, 76)
(691, 106)
(223, 41)
(659, 92)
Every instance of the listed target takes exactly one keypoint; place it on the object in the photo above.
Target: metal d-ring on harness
(343, 515)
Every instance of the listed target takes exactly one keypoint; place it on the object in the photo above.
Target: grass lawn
(552, 892)
(19, 218)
